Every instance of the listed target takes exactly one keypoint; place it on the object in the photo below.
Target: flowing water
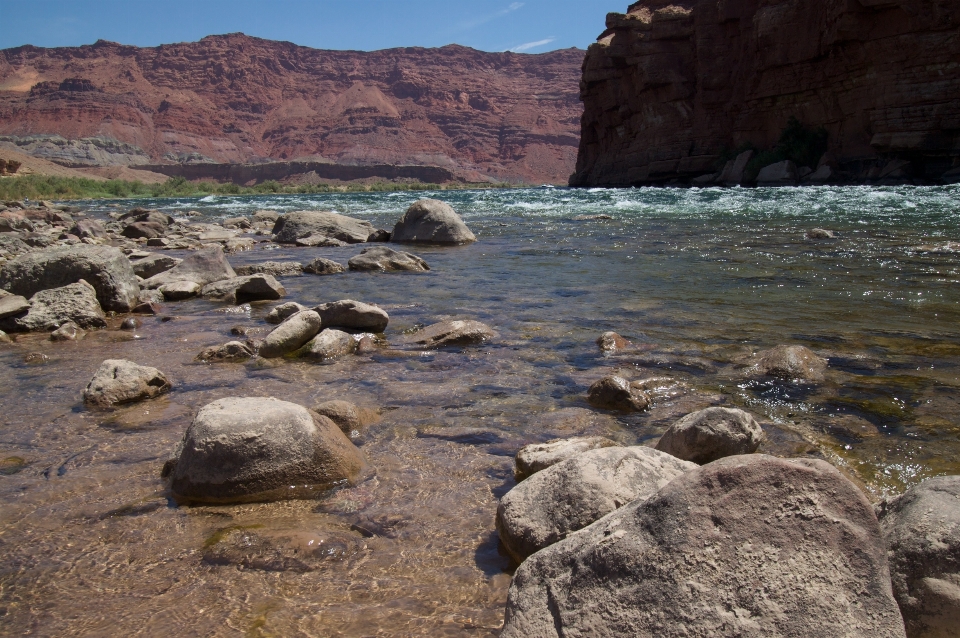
(698, 280)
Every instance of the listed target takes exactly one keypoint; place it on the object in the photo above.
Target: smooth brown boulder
(118, 381)
(143, 230)
(616, 393)
(611, 342)
(750, 546)
(261, 449)
(346, 415)
(279, 313)
(180, 290)
(711, 434)
(329, 344)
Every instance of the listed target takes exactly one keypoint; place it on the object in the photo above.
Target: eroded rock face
(922, 531)
(383, 259)
(354, 315)
(539, 456)
(747, 546)
(668, 87)
(711, 434)
(452, 333)
(430, 221)
(572, 494)
(118, 381)
(293, 226)
(256, 448)
(202, 267)
(106, 268)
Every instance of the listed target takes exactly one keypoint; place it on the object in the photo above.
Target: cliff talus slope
(671, 86)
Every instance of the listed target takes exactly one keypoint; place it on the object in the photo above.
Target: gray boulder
(272, 268)
(329, 344)
(431, 221)
(244, 289)
(316, 240)
(746, 546)
(291, 335)
(780, 174)
(256, 449)
(230, 351)
(118, 381)
(616, 393)
(572, 494)
(284, 311)
(153, 264)
(790, 363)
(298, 224)
(49, 309)
(89, 228)
(202, 267)
(539, 456)
(711, 434)
(12, 305)
(451, 333)
(106, 268)
(922, 531)
(148, 215)
(180, 290)
(383, 259)
(321, 266)
(353, 315)
(143, 230)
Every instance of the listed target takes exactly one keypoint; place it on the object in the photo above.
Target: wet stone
(451, 333)
(230, 351)
(616, 393)
(711, 434)
(130, 323)
(278, 551)
(321, 266)
(67, 332)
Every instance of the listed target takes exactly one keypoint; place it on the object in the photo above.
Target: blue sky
(532, 26)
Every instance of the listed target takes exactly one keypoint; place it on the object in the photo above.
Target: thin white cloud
(472, 24)
(530, 45)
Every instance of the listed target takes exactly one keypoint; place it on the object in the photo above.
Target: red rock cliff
(233, 98)
(671, 85)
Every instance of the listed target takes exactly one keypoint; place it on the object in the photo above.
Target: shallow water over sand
(698, 280)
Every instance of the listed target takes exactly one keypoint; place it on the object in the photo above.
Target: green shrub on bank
(46, 187)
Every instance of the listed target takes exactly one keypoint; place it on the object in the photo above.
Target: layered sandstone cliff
(673, 86)
(233, 98)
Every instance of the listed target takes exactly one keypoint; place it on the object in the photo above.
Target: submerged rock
(353, 315)
(431, 221)
(257, 448)
(616, 393)
(711, 434)
(67, 332)
(230, 351)
(291, 335)
(820, 233)
(383, 259)
(118, 381)
(299, 224)
(611, 342)
(106, 268)
(451, 333)
(539, 456)
(745, 546)
(790, 363)
(49, 309)
(321, 266)
(572, 494)
(346, 415)
(922, 531)
(240, 290)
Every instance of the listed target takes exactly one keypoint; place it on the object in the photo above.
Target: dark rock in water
(790, 363)
(202, 267)
(329, 344)
(271, 551)
(611, 342)
(346, 415)
(616, 393)
(539, 456)
(118, 381)
(106, 268)
(67, 332)
(13, 305)
(467, 436)
(246, 449)
(143, 230)
(711, 434)
(922, 531)
(49, 309)
(180, 290)
(451, 333)
(745, 546)
(230, 351)
(293, 226)
(820, 233)
(321, 266)
(431, 221)
(291, 335)
(148, 308)
(285, 310)
(89, 228)
(272, 268)
(353, 315)
(570, 495)
(379, 236)
(383, 259)
(130, 323)
(152, 264)
(241, 290)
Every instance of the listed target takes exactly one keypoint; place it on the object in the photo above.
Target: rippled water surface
(698, 280)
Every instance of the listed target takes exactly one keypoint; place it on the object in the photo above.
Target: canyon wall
(237, 99)
(673, 87)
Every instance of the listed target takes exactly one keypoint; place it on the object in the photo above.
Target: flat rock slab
(383, 259)
(240, 290)
(261, 449)
(451, 333)
(12, 305)
(106, 268)
(118, 381)
(431, 221)
(746, 546)
(572, 494)
(180, 290)
(298, 224)
(202, 267)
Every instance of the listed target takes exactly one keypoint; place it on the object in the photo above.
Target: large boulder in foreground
(118, 381)
(257, 449)
(245, 289)
(539, 456)
(750, 546)
(353, 315)
(383, 259)
(710, 434)
(50, 309)
(106, 268)
(922, 530)
(571, 495)
(202, 267)
(303, 223)
(430, 221)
